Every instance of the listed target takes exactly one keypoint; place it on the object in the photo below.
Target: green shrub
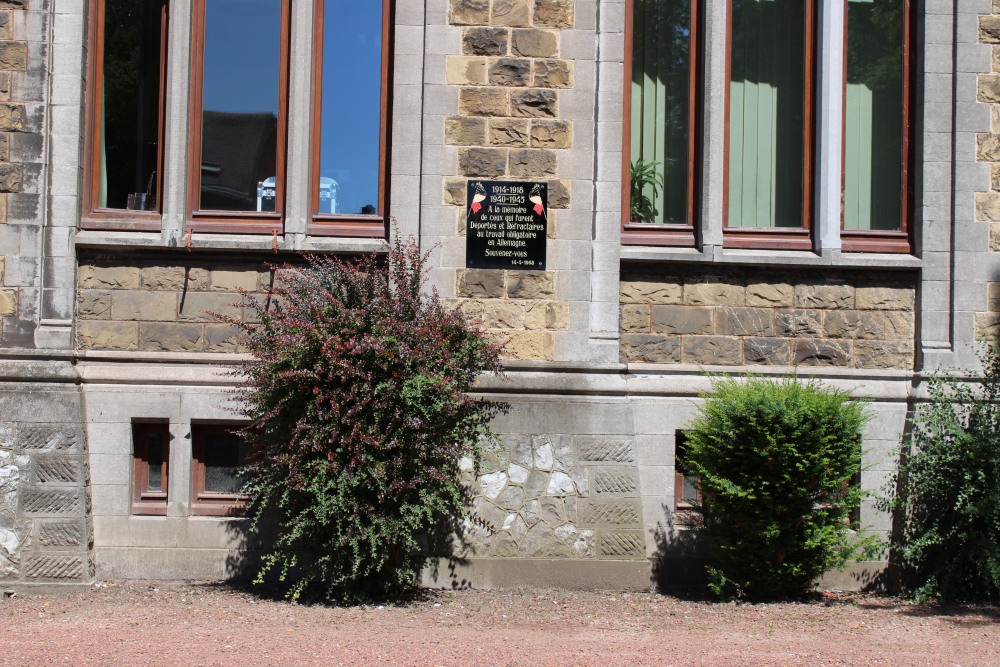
(949, 489)
(776, 460)
(359, 413)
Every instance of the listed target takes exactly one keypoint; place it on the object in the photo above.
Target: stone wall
(163, 306)
(508, 126)
(759, 318)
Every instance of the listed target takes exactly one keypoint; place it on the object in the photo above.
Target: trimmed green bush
(357, 397)
(949, 489)
(776, 460)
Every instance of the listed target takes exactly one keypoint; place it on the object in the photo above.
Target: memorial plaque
(505, 225)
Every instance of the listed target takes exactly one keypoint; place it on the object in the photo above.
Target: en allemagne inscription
(505, 225)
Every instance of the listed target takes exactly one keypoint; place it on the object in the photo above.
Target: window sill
(250, 242)
(774, 258)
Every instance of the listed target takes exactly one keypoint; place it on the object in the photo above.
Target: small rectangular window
(687, 494)
(150, 468)
(218, 452)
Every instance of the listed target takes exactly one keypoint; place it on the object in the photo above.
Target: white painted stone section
(560, 484)
(492, 484)
(517, 474)
(465, 464)
(543, 457)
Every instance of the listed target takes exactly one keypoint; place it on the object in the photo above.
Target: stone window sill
(772, 258)
(248, 242)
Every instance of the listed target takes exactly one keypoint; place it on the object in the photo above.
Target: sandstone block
(503, 315)
(455, 191)
(650, 349)
(883, 354)
(198, 306)
(222, 338)
(483, 102)
(531, 284)
(798, 323)
(824, 295)
(94, 304)
(14, 56)
(482, 162)
(995, 62)
(510, 72)
(508, 132)
(552, 315)
(534, 103)
(6, 27)
(559, 193)
(554, 13)
(994, 237)
(469, 12)
(103, 335)
(525, 345)
(988, 206)
(987, 147)
(8, 302)
(989, 29)
(770, 295)
(714, 291)
(465, 70)
(821, 352)
(884, 298)
(4, 146)
(987, 326)
(485, 41)
(855, 324)
(553, 73)
(480, 283)
(533, 163)
(534, 43)
(234, 281)
(132, 305)
(992, 296)
(109, 277)
(657, 291)
(14, 4)
(681, 320)
(465, 130)
(552, 133)
(767, 351)
(899, 325)
(171, 337)
(744, 322)
(635, 317)
(11, 177)
(711, 350)
(11, 117)
(163, 278)
(511, 12)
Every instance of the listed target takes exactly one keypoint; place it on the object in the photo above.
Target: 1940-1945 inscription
(505, 225)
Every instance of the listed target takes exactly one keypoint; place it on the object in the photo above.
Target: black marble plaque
(506, 224)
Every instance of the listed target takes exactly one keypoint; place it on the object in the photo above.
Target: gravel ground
(160, 623)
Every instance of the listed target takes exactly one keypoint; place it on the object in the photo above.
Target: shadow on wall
(679, 559)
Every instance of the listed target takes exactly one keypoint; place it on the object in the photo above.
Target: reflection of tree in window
(661, 100)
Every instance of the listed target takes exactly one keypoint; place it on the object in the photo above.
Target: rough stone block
(714, 291)
(469, 12)
(988, 207)
(11, 177)
(8, 302)
(650, 349)
(622, 545)
(744, 322)
(485, 41)
(534, 103)
(14, 4)
(635, 317)
(11, 117)
(14, 56)
(553, 316)
(511, 13)
(225, 280)
(6, 26)
(482, 162)
(767, 351)
(682, 320)
(171, 337)
(537, 345)
(102, 335)
(559, 194)
(552, 134)
(820, 352)
(58, 437)
(798, 323)
(988, 147)
(483, 102)
(554, 13)
(824, 295)
(987, 326)
(38, 501)
(465, 70)
(54, 567)
(993, 297)
(480, 284)
(989, 88)
(109, 277)
(899, 325)
(455, 191)
(883, 354)
(508, 132)
(884, 298)
(856, 324)
(605, 448)
(132, 305)
(532, 163)
(199, 306)
(989, 29)
(553, 73)
(4, 147)
(531, 284)
(711, 350)
(94, 304)
(770, 295)
(57, 471)
(994, 237)
(510, 72)
(534, 43)
(169, 278)
(654, 291)
(61, 533)
(503, 315)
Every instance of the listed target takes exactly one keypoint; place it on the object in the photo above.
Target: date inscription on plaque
(506, 224)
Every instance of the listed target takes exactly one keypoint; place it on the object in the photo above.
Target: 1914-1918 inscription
(505, 225)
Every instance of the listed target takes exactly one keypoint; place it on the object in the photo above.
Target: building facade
(765, 186)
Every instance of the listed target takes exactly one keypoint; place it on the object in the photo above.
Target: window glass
(661, 111)
(873, 142)
(240, 104)
(767, 113)
(351, 107)
(129, 122)
(224, 454)
(154, 462)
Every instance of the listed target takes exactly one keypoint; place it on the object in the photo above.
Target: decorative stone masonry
(13, 59)
(164, 306)
(757, 318)
(556, 496)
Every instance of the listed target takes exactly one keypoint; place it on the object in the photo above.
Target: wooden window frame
(858, 240)
(660, 233)
(354, 224)
(777, 238)
(144, 501)
(234, 222)
(92, 216)
(685, 512)
(203, 502)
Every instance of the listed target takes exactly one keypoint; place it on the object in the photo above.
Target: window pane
(351, 107)
(154, 462)
(240, 103)
(766, 113)
(224, 453)
(129, 127)
(661, 97)
(873, 146)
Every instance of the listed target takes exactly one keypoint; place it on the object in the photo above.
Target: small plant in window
(645, 183)
(357, 396)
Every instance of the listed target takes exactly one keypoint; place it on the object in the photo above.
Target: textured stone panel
(61, 533)
(651, 349)
(38, 501)
(611, 514)
(616, 481)
(49, 436)
(54, 567)
(57, 471)
(622, 545)
(618, 450)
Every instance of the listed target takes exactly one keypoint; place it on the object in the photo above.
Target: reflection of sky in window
(242, 56)
(352, 71)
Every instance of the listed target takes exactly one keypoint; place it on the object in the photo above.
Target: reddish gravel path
(189, 624)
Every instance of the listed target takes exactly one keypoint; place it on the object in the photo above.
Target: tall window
(150, 467)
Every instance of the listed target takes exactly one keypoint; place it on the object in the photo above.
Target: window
(686, 492)
(218, 453)
(150, 468)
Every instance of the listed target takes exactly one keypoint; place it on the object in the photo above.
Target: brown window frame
(203, 502)
(681, 504)
(777, 238)
(355, 224)
(94, 217)
(856, 240)
(234, 222)
(145, 501)
(659, 233)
